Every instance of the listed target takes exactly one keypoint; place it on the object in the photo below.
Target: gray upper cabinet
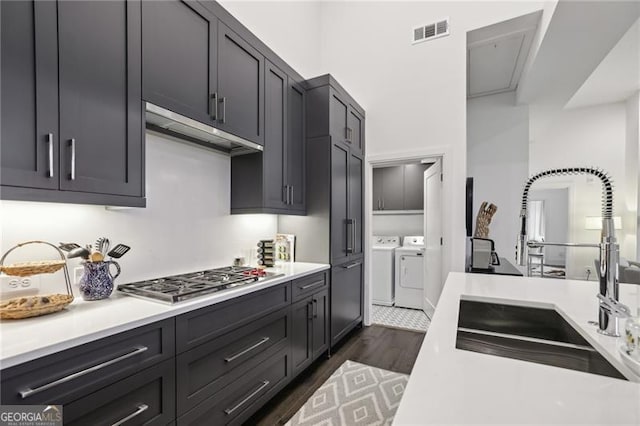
(71, 71)
(273, 181)
(29, 131)
(398, 187)
(355, 130)
(240, 86)
(99, 45)
(275, 189)
(295, 151)
(180, 55)
(341, 236)
(338, 117)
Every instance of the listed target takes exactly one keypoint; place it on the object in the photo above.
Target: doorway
(405, 279)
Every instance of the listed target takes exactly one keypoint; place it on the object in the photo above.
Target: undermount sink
(528, 334)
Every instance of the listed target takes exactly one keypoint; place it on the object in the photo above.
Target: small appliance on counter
(483, 254)
(266, 253)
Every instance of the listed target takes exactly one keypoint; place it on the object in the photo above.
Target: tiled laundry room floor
(391, 316)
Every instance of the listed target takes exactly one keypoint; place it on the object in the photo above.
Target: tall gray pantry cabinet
(333, 228)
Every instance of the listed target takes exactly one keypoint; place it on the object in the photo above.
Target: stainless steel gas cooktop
(179, 288)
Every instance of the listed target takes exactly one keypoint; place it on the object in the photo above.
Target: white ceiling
(618, 75)
(496, 55)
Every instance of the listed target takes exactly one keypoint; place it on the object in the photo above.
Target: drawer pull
(248, 398)
(314, 284)
(28, 392)
(141, 409)
(249, 349)
(353, 265)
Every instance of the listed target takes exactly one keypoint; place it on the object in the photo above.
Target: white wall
(289, 28)
(185, 227)
(498, 161)
(591, 136)
(397, 224)
(414, 95)
(632, 161)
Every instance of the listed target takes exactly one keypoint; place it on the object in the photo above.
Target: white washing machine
(383, 261)
(409, 281)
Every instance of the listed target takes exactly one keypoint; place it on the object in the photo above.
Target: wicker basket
(33, 306)
(26, 269)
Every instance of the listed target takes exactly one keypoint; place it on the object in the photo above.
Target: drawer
(306, 286)
(236, 402)
(210, 367)
(197, 327)
(65, 376)
(144, 398)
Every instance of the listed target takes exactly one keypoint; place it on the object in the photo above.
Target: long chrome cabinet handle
(264, 384)
(353, 265)
(141, 409)
(28, 392)
(249, 349)
(224, 109)
(349, 235)
(313, 284)
(354, 234)
(50, 150)
(213, 106)
(72, 144)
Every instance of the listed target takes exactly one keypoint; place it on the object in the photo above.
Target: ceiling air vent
(432, 31)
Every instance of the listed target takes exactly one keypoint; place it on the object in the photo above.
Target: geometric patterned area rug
(355, 394)
(410, 319)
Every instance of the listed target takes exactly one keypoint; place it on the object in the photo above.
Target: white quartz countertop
(453, 386)
(82, 322)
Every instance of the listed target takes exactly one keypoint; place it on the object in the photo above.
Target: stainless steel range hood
(168, 122)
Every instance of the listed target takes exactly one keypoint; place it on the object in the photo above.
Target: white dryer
(383, 261)
(409, 281)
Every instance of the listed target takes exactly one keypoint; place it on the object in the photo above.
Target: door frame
(444, 153)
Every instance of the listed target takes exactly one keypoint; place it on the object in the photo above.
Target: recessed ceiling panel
(492, 65)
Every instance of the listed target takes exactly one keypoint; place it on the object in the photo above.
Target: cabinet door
(340, 238)
(392, 188)
(338, 112)
(414, 186)
(355, 204)
(355, 133)
(301, 338)
(295, 147)
(29, 91)
(275, 97)
(240, 79)
(101, 125)
(346, 299)
(378, 175)
(320, 327)
(179, 54)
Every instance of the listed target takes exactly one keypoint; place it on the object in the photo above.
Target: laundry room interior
(406, 241)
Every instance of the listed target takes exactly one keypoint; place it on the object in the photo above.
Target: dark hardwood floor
(388, 348)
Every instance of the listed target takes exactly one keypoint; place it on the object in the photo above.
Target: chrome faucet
(610, 310)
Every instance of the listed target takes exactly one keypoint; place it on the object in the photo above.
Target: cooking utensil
(68, 246)
(119, 251)
(79, 252)
(102, 245)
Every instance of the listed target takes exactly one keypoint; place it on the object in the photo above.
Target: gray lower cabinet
(74, 373)
(71, 71)
(214, 365)
(144, 398)
(346, 298)
(179, 58)
(310, 337)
